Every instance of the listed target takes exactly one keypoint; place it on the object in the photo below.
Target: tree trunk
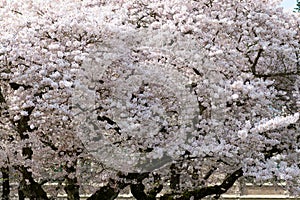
(29, 188)
(175, 178)
(5, 183)
(21, 194)
(72, 189)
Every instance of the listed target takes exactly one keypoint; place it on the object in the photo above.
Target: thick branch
(33, 190)
(109, 191)
(206, 191)
(105, 192)
(137, 189)
(112, 189)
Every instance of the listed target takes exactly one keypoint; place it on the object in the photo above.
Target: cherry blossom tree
(167, 97)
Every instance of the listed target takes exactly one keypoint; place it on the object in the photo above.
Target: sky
(289, 4)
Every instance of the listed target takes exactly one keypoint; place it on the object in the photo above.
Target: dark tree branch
(254, 63)
(49, 144)
(105, 192)
(137, 191)
(72, 186)
(154, 191)
(2, 99)
(112, 189)
(279, 74)
(197, 72)
(109, 191)
(110, 122)
(22, 124)
(32, 189)
(209, 173)
(200, 193)
(17, 12)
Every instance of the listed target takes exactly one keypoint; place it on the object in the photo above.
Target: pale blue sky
(289, 4)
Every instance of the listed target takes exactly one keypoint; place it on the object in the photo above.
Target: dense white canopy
(196, 88)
